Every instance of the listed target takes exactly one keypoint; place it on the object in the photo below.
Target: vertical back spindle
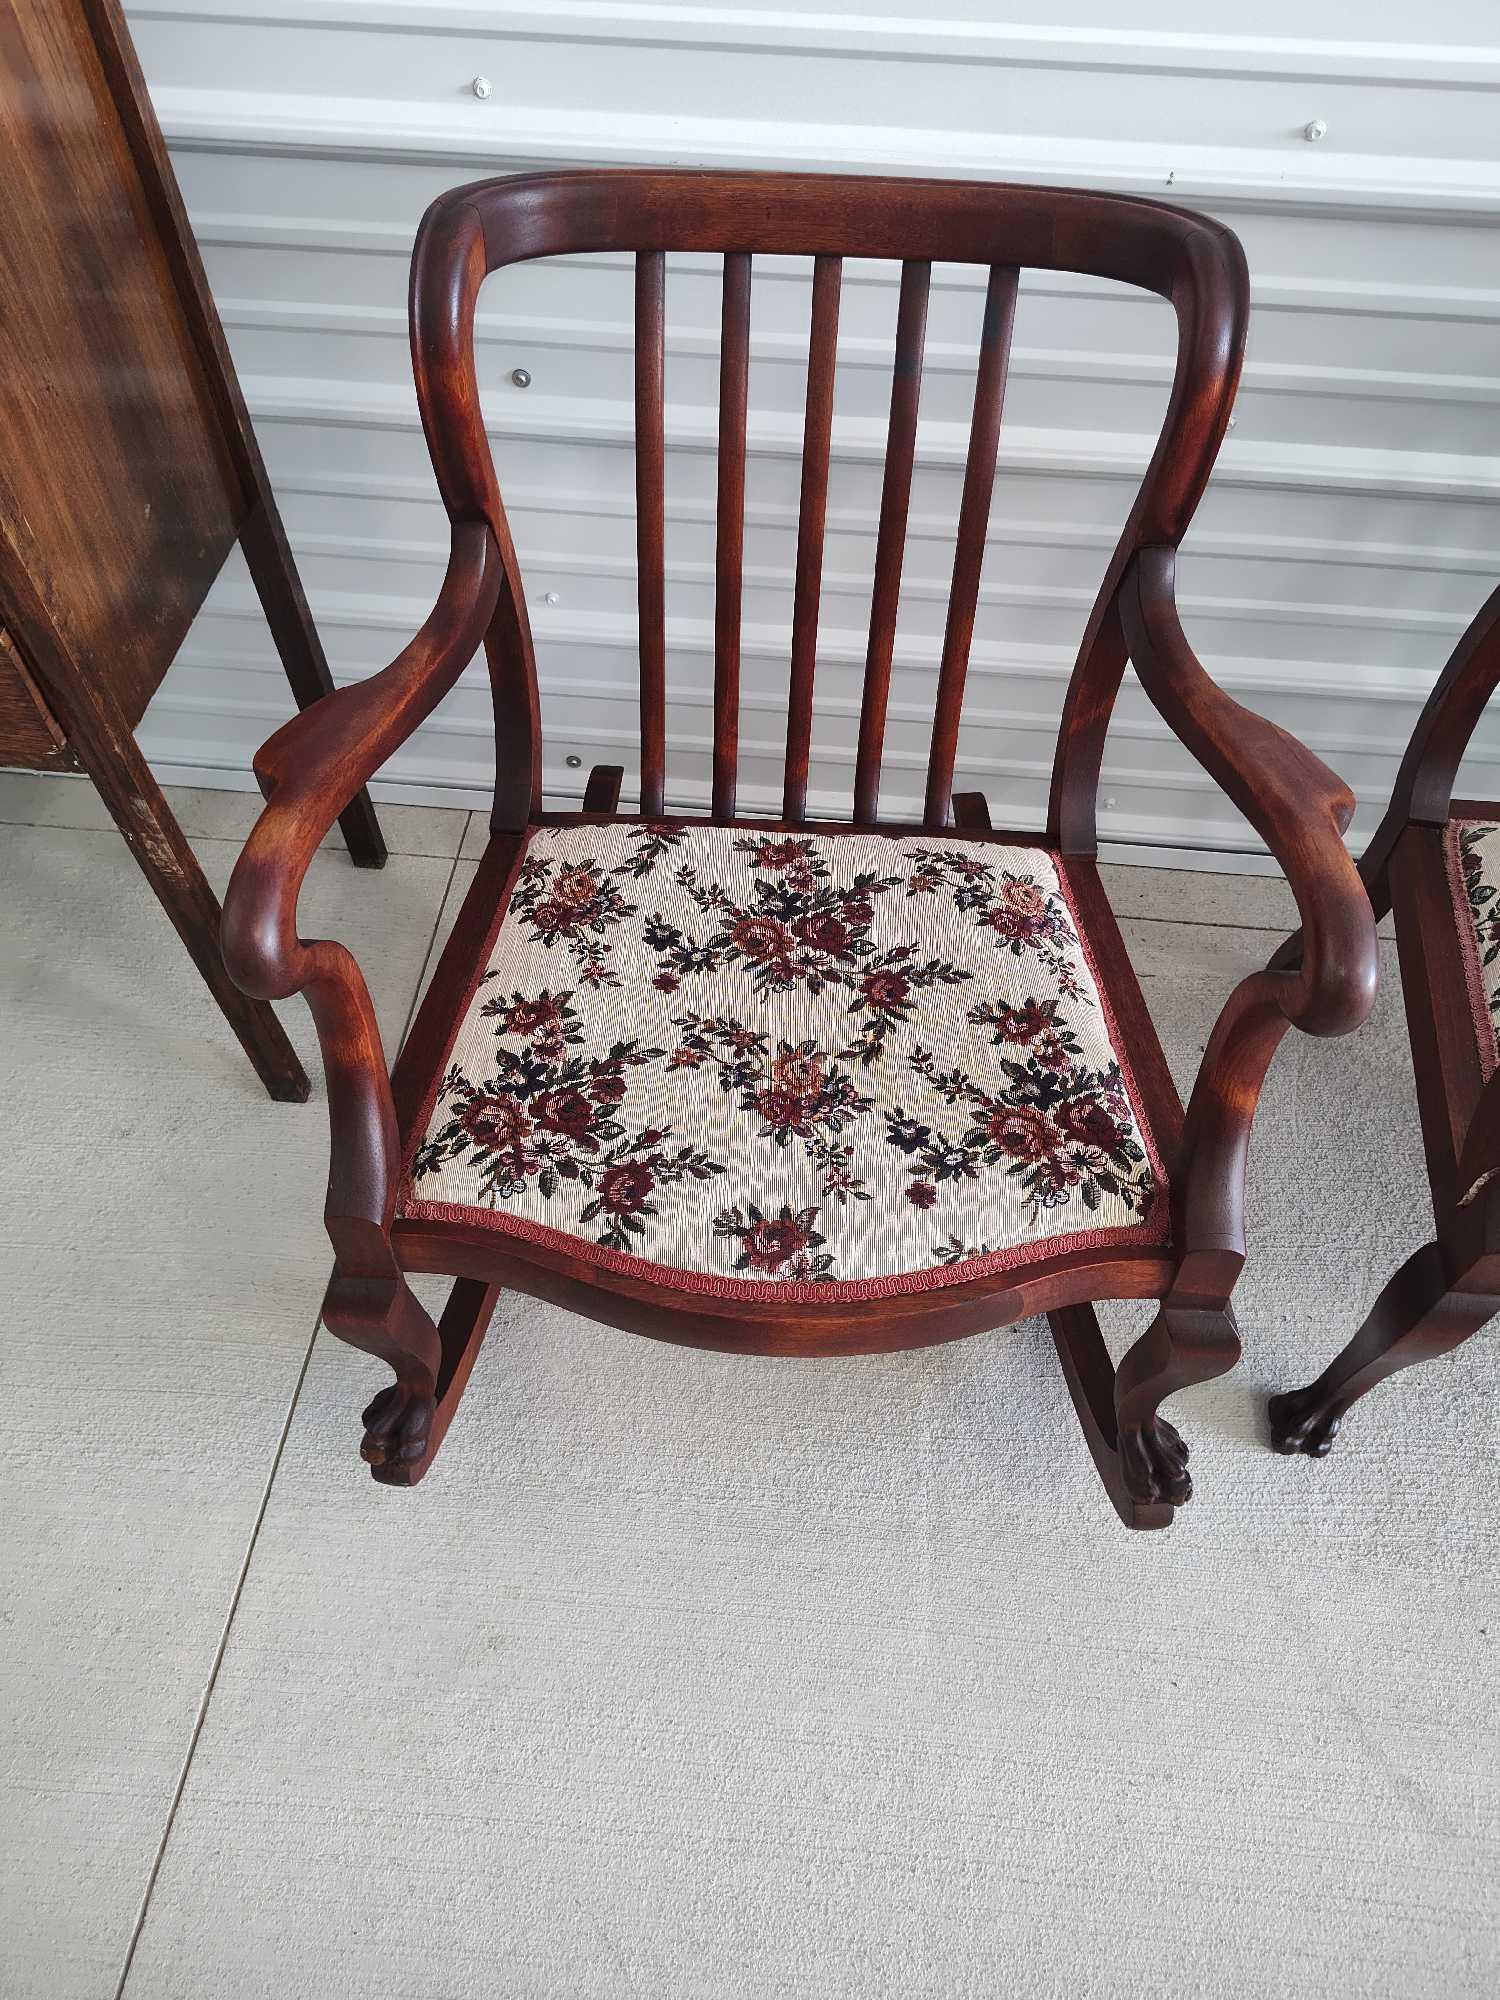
(973, 525)
(734, 369)
(650, 507)
(890, 543)
(822, 357)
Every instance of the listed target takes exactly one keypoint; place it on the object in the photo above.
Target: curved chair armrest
(310, 769)
(1295, 803)
(1300, 810)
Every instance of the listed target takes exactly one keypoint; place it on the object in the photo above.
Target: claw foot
(1301, 1423)
(1154, 1460)
(397, 1425)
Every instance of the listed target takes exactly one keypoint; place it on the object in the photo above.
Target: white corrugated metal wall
(1351, 528)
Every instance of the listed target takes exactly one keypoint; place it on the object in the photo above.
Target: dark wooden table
(128, 468)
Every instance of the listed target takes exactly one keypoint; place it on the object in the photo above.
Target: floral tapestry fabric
(1474, 869)
(817, 1064)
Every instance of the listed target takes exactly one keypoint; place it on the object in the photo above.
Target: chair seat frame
(1450, 1287)
(1300, 808)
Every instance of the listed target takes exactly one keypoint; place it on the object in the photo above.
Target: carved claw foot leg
(407, 1422)
(1090, 1376)
(398, 1426)
(1302, 1421)
(1423, 1312)
(1154, 1461)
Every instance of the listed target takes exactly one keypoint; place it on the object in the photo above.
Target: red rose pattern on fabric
(797, 1092)
(776, 1246)
(802, 930)
(579, 903)
(788, 1060)
(542, 1120)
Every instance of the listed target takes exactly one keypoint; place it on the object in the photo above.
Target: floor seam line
(226, 839)
(213, 1674)
(238, 840)
(206, 1699)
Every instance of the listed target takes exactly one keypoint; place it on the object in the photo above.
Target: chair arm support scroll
(1295, 803)
(313, 766)
(308, 772)
(1300, 809)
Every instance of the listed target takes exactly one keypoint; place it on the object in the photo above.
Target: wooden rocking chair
(1435, 863)
(779, 1086)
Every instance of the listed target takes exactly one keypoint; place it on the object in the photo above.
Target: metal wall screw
(573, 763)
(1316, 129)
(552, 598)
(481, 86)
(521, 377)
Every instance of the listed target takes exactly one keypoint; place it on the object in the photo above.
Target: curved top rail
(1194, 262)
(1126, 237)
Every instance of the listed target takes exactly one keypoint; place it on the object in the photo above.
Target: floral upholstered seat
(842, 1064)
(1474, 874)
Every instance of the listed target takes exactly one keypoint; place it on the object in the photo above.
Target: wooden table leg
(104, 743)
(160, 846)
(279, 587)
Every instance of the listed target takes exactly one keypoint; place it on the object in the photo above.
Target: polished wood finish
(401, 1438)
(601, 794)
(1450, 1288)
(812, 519)
(313, 764)
(129, 468)
(973, 525)
(890, 536)
(1090, 1376)
(650, 515)
(734, 385)
(1423, 1313)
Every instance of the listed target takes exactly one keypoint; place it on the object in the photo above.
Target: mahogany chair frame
(308, 769)
(1450, 1287)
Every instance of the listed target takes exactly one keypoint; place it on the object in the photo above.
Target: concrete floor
(686, 1675)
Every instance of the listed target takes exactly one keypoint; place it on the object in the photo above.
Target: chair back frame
(1195, 264)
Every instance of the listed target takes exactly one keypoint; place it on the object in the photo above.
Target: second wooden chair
(1435, 864)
